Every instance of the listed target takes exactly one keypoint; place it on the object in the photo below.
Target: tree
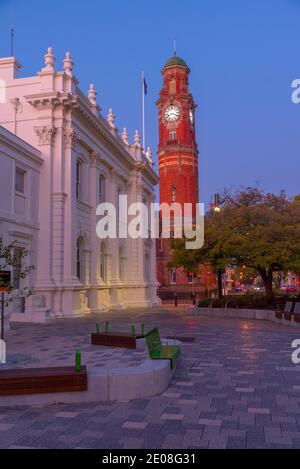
(10, 259)
(253, 229)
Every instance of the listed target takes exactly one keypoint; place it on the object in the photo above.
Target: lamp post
(216, 207)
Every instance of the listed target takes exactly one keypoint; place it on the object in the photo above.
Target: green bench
(159, 351)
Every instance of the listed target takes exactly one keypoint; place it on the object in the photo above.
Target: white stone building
(69, 160)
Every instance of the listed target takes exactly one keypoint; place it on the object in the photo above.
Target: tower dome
(175, 61)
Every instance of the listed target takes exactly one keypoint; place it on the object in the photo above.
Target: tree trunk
(220, 284)
(267, 278)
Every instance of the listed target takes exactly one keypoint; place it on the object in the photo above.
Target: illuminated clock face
(191, 117)
(172, 113)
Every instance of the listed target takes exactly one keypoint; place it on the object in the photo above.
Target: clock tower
(178, 166)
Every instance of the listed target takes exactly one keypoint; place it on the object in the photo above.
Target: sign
(5, 280)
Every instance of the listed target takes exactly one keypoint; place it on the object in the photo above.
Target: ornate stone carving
(71, 138)
(92, 97)
(95, 158)
(68, 64)
(149, 156)
(113, 175)
(111, 119)
(137, 139)
(46, 134)
(125, 136)
(49, 61)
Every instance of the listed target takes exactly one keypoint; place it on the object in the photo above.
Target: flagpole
(143, 110)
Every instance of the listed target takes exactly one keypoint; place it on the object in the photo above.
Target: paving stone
(236, 442)
(210, 422)
(131, 443)
(172, 417)
(135, 425)
(259, 411)
(4, 427)
(247, 397)
(172, 441)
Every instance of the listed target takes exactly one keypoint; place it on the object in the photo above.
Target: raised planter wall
(233, 313)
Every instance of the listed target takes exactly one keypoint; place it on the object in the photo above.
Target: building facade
(83, 161)
(178, 172)
(19, 201)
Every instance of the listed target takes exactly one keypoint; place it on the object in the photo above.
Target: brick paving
(235, 387)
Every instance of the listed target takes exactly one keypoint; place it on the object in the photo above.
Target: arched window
(103, 266)
(173, 276)
(101, 187)
(147, 267)
(79, 170)
(79, 259)
(172, 134)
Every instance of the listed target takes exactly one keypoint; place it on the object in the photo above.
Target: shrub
(247, 301)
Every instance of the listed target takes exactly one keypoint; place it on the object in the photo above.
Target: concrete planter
(149, 379)
(252, 314)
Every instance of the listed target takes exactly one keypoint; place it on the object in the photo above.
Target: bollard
(77, 360)
(97, 328)
(194, 299)
(133, 331)
(142, 330)
(106, 327)
(175, 299)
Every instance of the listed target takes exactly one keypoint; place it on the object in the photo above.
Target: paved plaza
(235, 387)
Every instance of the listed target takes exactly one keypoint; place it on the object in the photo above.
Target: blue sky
(243, 54)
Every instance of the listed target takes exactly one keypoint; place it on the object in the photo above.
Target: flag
(145, 86)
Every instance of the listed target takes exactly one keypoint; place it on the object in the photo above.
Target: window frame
(22, 172)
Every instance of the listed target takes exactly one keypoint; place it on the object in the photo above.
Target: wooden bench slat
(23, 391)
(52, 371)
(115, 339)
(42, 380)
(35, 382)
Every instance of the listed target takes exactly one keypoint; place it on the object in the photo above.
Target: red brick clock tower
(178, 166)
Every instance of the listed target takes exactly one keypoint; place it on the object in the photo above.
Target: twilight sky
(243, 55)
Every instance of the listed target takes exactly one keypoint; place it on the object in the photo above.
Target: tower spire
(12, 28)
(12, 35)
(174, 47)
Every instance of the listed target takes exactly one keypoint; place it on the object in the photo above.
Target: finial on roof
(125, 136)
(92, 95)
(68, 64)
(49, 61)
(137, 139)
(149, 155)
(174, 47)
(111, 118)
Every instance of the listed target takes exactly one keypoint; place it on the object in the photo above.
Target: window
(20, 181)
(101, 187)
(78, 180)
(103, 269)
(173, 194)
(147, 267)
(190, 277)
(16, 270)
(172, 134)
(78, 260)
(173, 276)
(121, 264)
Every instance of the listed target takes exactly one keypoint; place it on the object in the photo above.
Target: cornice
(102, 126)
(20, 145)
(51, 98)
